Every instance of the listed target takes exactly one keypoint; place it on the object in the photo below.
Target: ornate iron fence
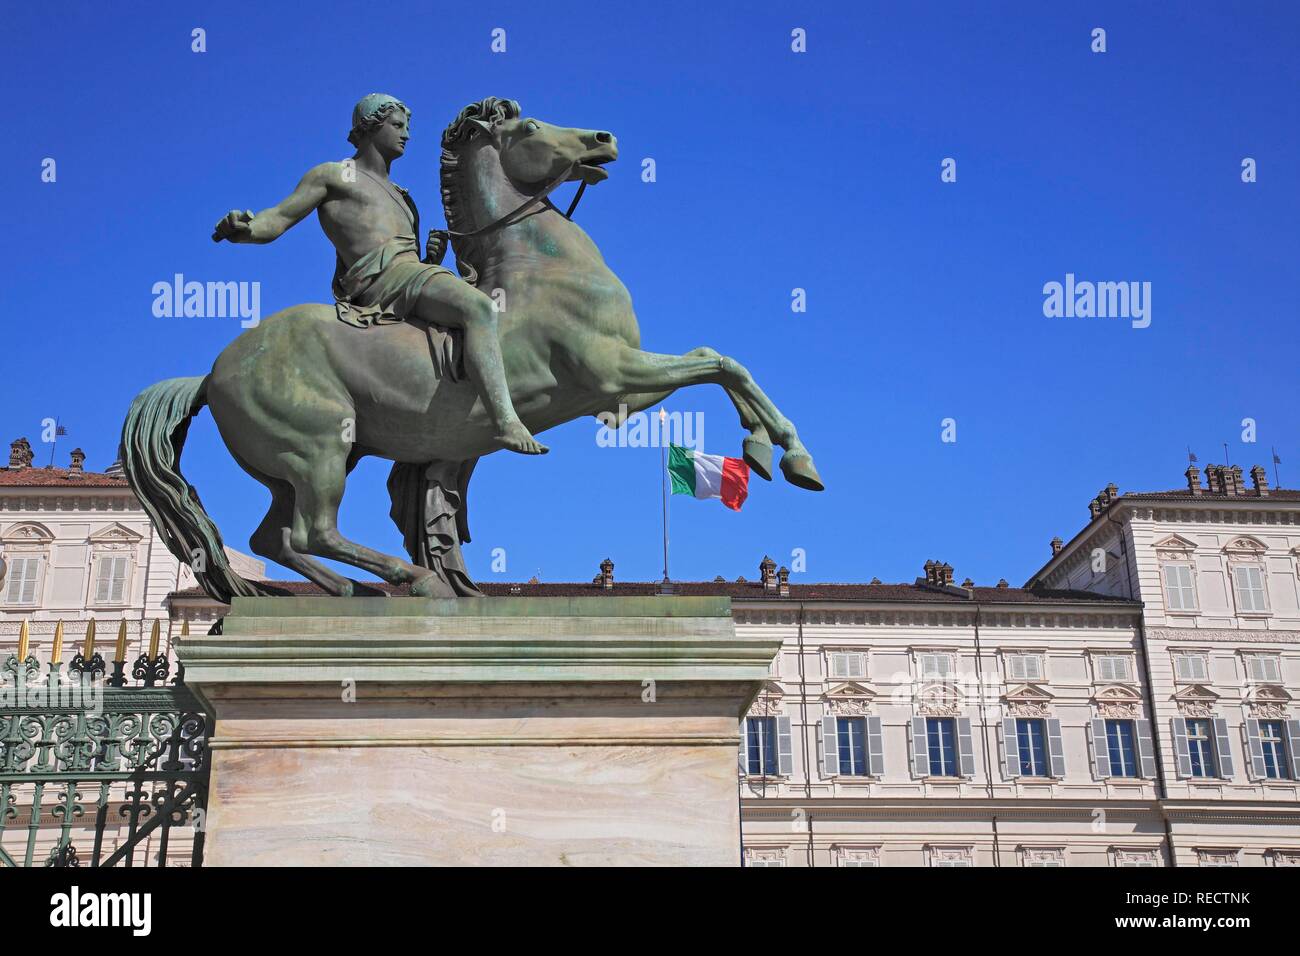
(107, 774)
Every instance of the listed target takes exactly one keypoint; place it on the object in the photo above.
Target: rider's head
(383, 119)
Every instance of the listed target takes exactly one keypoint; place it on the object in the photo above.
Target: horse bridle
(511, 218)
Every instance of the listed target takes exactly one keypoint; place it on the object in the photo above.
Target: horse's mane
(460, 131)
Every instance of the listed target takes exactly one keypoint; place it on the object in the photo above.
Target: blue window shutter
(1224, 747)
(1256, 751)
(784, 747)
(966, 747)
(830, 747)
(744, 745)
(1182, 755)
(1293, 746)
(875, 747)
(1100, 750)
(920, 748)
(1056, 749)
(1010, 747)
(1146, 749)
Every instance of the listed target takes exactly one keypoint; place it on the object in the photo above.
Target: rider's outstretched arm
(272, 223)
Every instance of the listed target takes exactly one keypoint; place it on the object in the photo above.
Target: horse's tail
(152, 439)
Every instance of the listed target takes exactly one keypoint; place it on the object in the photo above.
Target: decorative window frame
(1028, 700)
(1268, 702)
(948, 855)
(1137, 856)
(856, 855)
(1117, 702)
(1245, 551)
(1008, 653)
(1245, 666)
(849, 699)
(767, 856)
(1042, 855)
(1197, 701)
(1280, 857)
(921, 652)
(1218, 856)
(111, 541)
(940, 699)
(828, 652)
(1179, 551)
(1202, 653)
(770, 701)
(23, 540)
(1095, 655)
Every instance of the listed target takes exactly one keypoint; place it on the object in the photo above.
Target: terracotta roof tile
(57, 478)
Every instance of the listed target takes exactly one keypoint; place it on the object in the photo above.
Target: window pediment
(850, 689)
(849, 699)
(27, 532)
(1028, 692)
(1175, 546)
(1117, 695)
(115, 534)
(1246, 547)
(1196, 700)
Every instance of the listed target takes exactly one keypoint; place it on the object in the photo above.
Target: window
(1249, 580)
(1042, 856)
(760, 740)
(1273, 745)
(110, 582)
(1031, 738)
(847, 664)
(1180, 592)
(1264, 669)
(1120, 746)
(1025, 667)
(852, 737)
(950, 856)
(1191, 667)
(1113, 667)
(21, 581)
(1200, 746)
(936, 666)
(941, 737)
(860, 857)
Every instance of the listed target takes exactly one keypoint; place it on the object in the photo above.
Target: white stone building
(77, 545)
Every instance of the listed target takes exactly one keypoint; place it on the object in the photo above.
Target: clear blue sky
(776, 170)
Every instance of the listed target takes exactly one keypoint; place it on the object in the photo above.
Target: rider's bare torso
(360, 215)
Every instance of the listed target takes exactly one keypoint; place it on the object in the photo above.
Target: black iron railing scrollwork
(94, 773)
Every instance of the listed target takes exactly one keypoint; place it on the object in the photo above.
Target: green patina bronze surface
(418, 366)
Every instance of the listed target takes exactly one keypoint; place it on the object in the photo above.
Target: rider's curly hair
(365, 121)
(492, 110)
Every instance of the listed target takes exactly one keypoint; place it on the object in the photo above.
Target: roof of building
(58, 478)
(750, 590)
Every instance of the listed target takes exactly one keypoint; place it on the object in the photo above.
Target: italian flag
(708, 476)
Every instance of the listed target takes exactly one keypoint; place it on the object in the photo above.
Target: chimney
(20, 454)
(1216, 480)
(77, 465)
(1260, 479)
(606, 577)
(1002, 583)
(968, 583)
(1194, 480)
(1094, 507)
(783, 581)
(1234, 484)
(767, 574)
(1057, 545)
(937, 574)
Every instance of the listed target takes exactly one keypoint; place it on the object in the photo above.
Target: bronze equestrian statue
(406, 375)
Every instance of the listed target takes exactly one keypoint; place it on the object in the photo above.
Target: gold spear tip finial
(154, 636)
(23, 640)
(185, 627)
(56, 652)
(120, 654)
(89, 647)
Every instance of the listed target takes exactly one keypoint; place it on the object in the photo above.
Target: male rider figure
(379, 276)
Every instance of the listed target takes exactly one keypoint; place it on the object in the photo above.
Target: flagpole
(1277, 482)
(663, 483)
(55, 442)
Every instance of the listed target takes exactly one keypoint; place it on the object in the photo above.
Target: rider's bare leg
(449, 302)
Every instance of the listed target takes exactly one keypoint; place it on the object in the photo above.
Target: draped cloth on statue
(382, 287)
(429, 509)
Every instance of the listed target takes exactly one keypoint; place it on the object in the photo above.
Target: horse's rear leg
(273, 539)
(318, 490)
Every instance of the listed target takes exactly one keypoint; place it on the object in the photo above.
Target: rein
(511, 217)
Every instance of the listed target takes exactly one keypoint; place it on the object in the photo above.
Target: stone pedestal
(498, 731)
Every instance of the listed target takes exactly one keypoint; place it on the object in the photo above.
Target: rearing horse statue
(302, 397)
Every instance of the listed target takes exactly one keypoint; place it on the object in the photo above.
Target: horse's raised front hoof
(361, 589)
(800, 471)
(430, 586)
(758, 455)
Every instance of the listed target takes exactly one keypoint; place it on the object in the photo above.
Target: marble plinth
(496, 731)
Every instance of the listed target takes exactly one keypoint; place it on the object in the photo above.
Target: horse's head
(532, 152)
